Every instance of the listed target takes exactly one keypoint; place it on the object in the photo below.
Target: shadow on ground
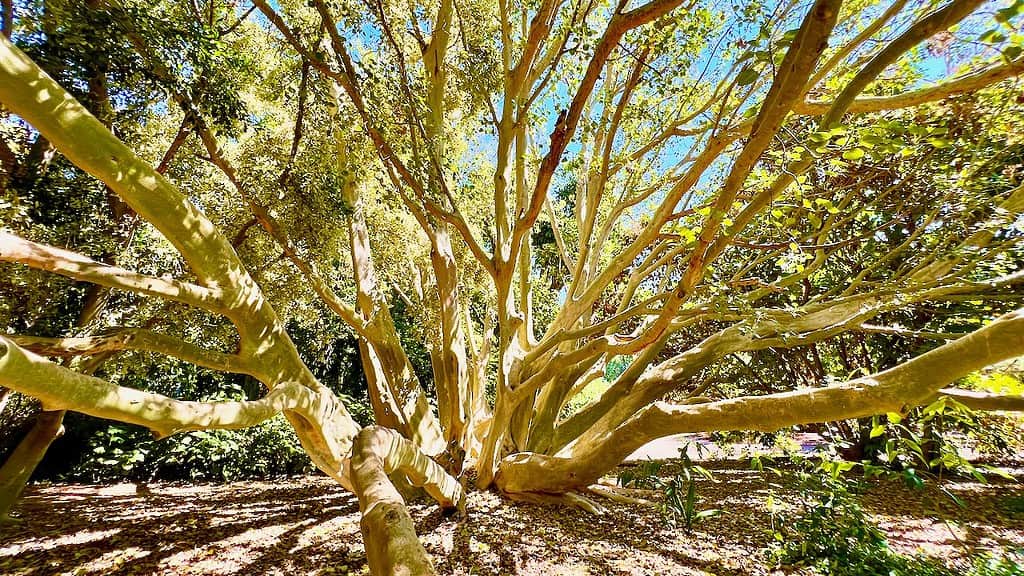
(308, 525)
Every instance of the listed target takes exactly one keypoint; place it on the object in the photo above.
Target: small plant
(643, 476)
(679, 507)
(990, 565)
(830, 532)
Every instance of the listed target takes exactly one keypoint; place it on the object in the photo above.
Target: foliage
(925, 440)
(681, 500)
(830, 532)
(116, 452)
(679, 508)
(643, 475)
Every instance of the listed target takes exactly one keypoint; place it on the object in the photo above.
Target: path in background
(701, 447)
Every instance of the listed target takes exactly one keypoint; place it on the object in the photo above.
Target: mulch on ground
(308, 525)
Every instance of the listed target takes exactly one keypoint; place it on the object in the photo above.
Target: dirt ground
(308, 525)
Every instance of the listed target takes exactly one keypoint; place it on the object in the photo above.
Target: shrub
(122, 452)
(830, 533)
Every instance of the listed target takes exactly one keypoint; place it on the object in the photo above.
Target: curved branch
(898, 331)
(388, 531)
(134, 339)
(908, 384)
(967, 83)
(35, 255)
(984, 400)
(60, 388)
(26, 90)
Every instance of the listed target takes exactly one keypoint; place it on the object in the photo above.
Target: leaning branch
(911, 383)
(985, 400)
(967, 83)
(60, 388)
(134, 339)
(35, 255)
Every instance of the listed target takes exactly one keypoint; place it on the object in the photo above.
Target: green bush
(830, 533)
(118, 451)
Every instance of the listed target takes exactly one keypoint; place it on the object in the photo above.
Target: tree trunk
(392, 547)
(18, 468)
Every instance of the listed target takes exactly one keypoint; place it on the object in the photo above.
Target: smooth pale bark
(969, 82)
(397, 398)
(59, 388)
(31, 94)
(134, 339)
(638, 386)
(322, 423)
(894, 390)
(78, 267)
(984, 400)
(388, 531)
(451, 367)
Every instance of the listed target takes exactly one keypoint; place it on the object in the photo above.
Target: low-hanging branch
(389, 532)
(60, 388)
(894, 390)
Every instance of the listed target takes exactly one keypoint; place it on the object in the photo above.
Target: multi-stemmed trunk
(521, 445)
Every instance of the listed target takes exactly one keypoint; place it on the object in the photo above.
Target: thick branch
(893, 390)
(388, 531)
(60, 388)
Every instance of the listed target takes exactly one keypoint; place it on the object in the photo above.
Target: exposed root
(615, 496)
(573, 499)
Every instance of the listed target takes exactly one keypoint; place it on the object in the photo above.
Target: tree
(710, 185)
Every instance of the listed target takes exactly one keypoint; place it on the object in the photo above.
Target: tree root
(574, 499)
(617, 495)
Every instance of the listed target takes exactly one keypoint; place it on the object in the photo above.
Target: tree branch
(967, 83)
(134, 339)
(16, 249)
(908, 384)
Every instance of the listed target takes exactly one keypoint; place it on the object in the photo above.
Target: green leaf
(877, 431)
(993, 36)
(853, 154)
(746, 76)
(1009, 12)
